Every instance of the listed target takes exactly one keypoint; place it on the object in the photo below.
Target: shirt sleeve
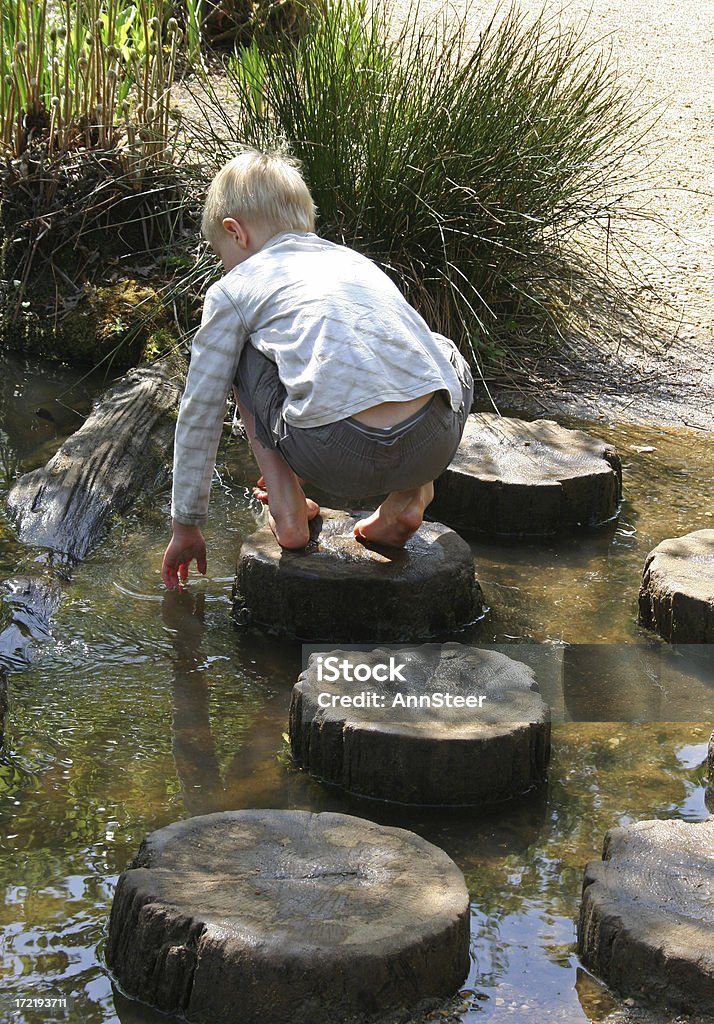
(216, 349)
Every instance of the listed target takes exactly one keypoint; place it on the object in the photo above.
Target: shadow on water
(144, 707)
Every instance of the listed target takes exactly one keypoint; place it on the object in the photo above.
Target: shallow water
(145, 707)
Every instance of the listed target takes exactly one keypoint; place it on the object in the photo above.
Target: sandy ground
(664, 53)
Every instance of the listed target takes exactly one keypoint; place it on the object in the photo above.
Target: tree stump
(514, 477)
(449, 725)
(677, 591)
(123, 448)
(647, 916)
(338, 589)
(287, 916)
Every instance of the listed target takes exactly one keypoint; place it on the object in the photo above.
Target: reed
(95, 74)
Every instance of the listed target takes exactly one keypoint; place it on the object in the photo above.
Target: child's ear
(237, 231)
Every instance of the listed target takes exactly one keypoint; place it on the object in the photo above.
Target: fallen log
(123, 449)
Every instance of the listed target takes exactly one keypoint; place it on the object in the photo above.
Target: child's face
(240, 240)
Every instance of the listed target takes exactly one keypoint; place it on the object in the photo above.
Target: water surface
(144, 707)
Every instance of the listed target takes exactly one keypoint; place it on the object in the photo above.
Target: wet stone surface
(647, 915)
(449, 725)
(677, 592)
(289, 915)
(3, 705)
(338, 589)
(514, 477)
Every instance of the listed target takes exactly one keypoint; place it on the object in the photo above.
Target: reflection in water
(145, 707)
(193, 747)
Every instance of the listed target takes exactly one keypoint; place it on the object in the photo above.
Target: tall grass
(467, 167)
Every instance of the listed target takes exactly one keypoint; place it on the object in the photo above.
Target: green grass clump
(468, 168)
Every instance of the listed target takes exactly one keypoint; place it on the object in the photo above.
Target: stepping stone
(340, 590)
(510, 476)
(287, 916)
(677, 592)
(647, 916)
(462, 725)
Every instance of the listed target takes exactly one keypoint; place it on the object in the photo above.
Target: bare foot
(291, 532)
(260, 491)
(398, 517)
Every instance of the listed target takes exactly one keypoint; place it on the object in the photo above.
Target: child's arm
(215, 352)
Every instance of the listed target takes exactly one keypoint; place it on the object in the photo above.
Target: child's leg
(398, 517)
(288, 510)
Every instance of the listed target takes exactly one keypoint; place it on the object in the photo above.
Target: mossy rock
(118, 324)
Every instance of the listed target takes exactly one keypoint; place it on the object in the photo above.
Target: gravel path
(664, 52)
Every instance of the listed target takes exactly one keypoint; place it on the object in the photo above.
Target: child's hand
(186, 544)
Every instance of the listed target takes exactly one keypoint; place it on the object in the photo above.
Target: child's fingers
(183, 571)
(168, 575)
(201, 564)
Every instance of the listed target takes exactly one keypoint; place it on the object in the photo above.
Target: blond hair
(265, 188)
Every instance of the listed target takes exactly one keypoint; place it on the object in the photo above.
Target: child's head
(265, 189)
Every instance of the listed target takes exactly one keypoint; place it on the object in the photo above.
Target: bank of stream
(147, 706)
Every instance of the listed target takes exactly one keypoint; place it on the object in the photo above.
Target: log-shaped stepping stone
(514, 477)
(647, 916)
(677, 592)
(286, 916)
(341, 590)
(435, 724)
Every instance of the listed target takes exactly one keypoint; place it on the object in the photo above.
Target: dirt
(664, 374)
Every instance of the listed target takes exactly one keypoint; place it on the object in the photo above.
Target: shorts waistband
(390, 433)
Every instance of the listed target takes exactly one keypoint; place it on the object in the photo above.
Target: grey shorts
(348, 457)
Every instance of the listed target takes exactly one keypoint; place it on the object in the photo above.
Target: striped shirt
(343, 337)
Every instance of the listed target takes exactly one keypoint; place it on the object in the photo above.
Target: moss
(118, 324)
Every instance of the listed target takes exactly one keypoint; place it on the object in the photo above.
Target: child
(337, 379)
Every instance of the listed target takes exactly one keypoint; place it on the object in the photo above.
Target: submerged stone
(435, 724)
(287, 916)
(647, 915)
(3, 705)
(677, 591)
(510, 476)
(28, 604)
(341, 590)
